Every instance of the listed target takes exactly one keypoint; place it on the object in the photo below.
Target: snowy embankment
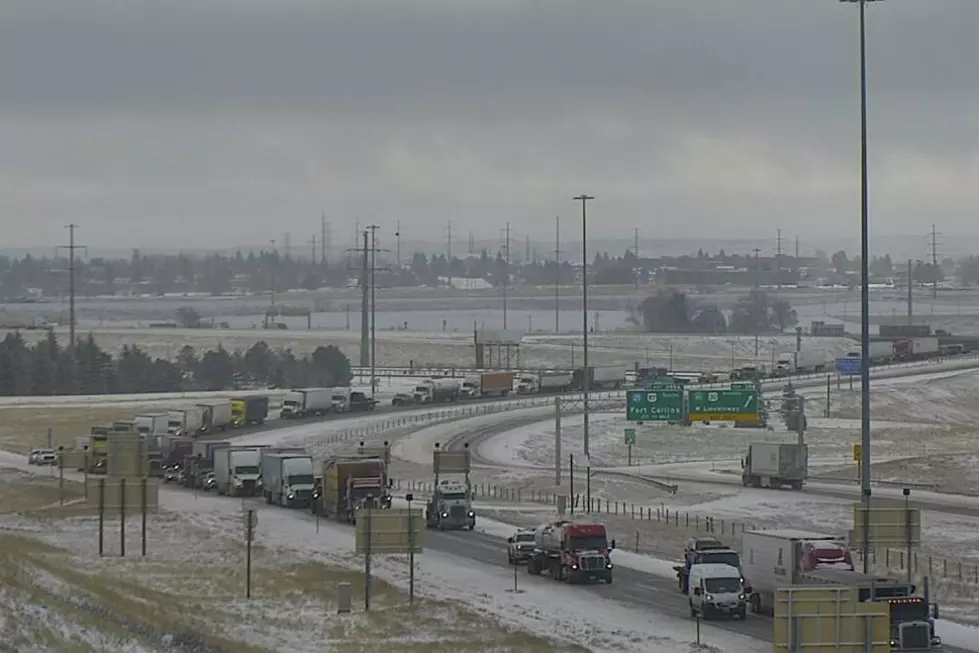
(544, 608)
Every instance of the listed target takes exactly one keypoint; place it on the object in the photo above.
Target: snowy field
(193, 579)
(402, 348)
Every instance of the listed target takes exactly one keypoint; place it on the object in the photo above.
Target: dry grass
(23, 428)
(57, 594)
(21, 491)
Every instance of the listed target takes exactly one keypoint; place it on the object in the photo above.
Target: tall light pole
(586, 380)
(864, 290)
(373, 229)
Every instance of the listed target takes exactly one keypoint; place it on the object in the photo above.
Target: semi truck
(602, 377)
(450, 506)
(95, 457)
(201, 461)
(544, 382)
(916, 348)
(881, 352)
(805, 361)
(436, 391)
(784, 558)
(216, 415)
(350, 483)
(572, 551)
(775, 465)
(237, 471)
(185, 422)
(305, 402)
(487, 384)
(287, 478)
(253, 409)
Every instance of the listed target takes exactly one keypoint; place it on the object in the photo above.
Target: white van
(716, 590)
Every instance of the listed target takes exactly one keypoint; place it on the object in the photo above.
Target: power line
(71, 247)
(757, 310)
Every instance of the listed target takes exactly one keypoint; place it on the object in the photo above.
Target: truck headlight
(291, 496)
(237, 481)
(936, 641)
(472, 513)
(895, 643)
(709, 597)
(741, 597)
(574, 567)
(608, 566)
(445, 514)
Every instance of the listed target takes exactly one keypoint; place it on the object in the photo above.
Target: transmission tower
(505, 251)
(778, 259)
(71, 247)
(557, 274)
(368, 268)
(934, 262)
(448, 252)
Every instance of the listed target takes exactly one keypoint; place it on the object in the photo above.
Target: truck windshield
(246, 469)
(904, 612)
(525, 537)
(722, 585)
(291, 403)
(453, 496)
(301, 479)
(587, 542)
(721, 558)
(421, 389)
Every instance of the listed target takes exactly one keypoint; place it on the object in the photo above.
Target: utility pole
(448, 252)
(506, 275)
(635, 238)
(526, 254)
(365, 358)
(557, 274)
(910, 300)
(797, 251)
(397, 236)
(272, 260)
(287, 243)
(586, 373)
(778, 259)
(757, 310)
(472, 243)
(71, 247)
(373, 229)
(313, 252)
(323, 231)
(934, 262)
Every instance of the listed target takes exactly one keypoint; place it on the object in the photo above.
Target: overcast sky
(212, 123)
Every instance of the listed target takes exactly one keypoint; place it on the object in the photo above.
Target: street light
(864, 284)
(586, 373)
(907, 526)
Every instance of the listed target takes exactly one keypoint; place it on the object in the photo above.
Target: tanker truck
(572, 552)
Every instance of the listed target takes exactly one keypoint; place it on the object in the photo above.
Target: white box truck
(237, 471)
(600, 377)
(881, 352)
(152, 424)
(287, 479)
(806, 361)
(775, 465)
(543, 382)
(340, 400)
(185, 422)
(307, 401)
(216, 415)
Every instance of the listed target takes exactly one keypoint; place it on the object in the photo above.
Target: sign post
(659, 405)
(249, 521)
(386, 532)
(630, 439)
(736, 405)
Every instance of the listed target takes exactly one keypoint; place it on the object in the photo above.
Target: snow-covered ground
(204, 531)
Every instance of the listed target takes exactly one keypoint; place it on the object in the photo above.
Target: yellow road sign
(857, 452)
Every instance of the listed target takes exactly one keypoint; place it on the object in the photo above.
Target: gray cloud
(684, 117)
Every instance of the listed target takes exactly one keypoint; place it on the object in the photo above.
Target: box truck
(487, 384)
(775, 465)
(305, 402)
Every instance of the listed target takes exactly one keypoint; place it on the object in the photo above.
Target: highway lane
(632, 588)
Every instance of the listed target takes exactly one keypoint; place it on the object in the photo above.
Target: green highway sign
(726, 405)
(654, 405)
(630, 436)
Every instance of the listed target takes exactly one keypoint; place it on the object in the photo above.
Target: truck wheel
(797, 485)
(471, 526)
(756, 604)
(268, 497)
(742, 614)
